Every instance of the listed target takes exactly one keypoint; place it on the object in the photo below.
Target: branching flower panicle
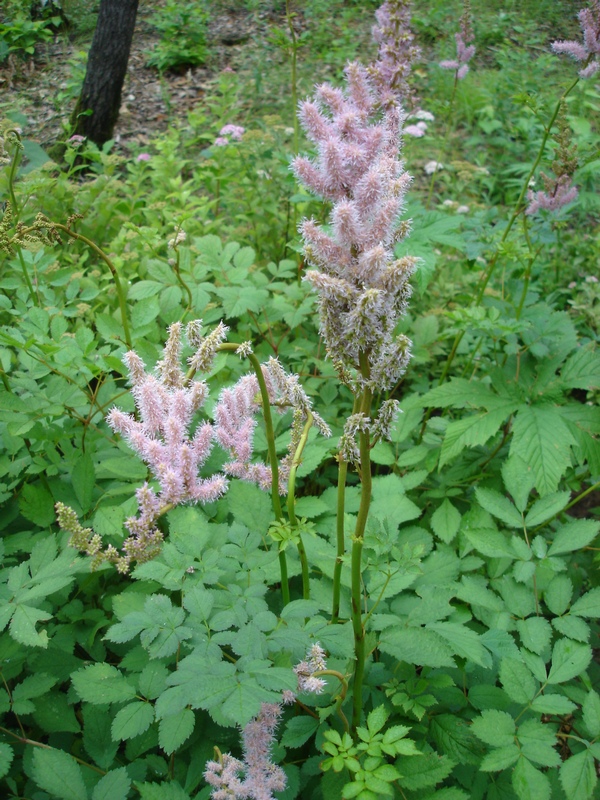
(588, 50)
(558, 190)
(464, 50)
(397, 53)
(363, 289)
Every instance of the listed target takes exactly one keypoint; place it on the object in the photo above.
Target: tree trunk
(106, 68)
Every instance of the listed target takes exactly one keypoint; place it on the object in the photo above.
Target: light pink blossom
(588, 50)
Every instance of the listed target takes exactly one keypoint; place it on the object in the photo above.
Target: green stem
(357, 547)
(294, 51)
(13, 174)
(270, 434)
(34, 298)
(342, 694)
(291, 504)
(341, 544)
(118, 285)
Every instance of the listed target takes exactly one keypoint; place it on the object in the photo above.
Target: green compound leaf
(83, 479)
(546, 507)
(298, 731)
(569, 659)
(582, 369)
(472, 431)
(529, 783)
(114, 785)
(499, 506)
(496, 728)
(518, 682)
(573, 536)
(417, 646)
(542, 439)
(174, 730)
(57, 773)
(463, 641)
(100, 684)
(445, 521)
(22, 626)
(538, 742)
(578, 776)
(132, 720)
(37, 505)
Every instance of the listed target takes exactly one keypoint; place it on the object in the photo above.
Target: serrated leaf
(517, 681)
(174, 730)
(569, 659)
(428, 770)
(582, 369)
(463, 641)
(6, 757)
(591, 713)
(535, 633)
(499, 506)
(57, 773)
(22, 626)
(97, 740)
(161, 791)
(445, 521)
(558, 593)
(37, 504)
(500, 758)
(460, 393)
(456, 739)
(298, 731)
(83, 479)
(100, 684)
(578, 776)
(541, 439)
(484, 696)
(417, 646)
(132, 720)
(572, 627)
(519, 479)
(538, 742)
(114, 785)
(490, 542)
(496, 728)
(546, 507)
(588, 605)
(553, 704)
(573, 536)
(529, 783)
(472, 431)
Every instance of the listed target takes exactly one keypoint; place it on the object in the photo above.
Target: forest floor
(44, 89)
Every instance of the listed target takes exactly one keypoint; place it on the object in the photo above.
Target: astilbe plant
(588, 50)
(464, 50)
(166, 404)
(398, 51)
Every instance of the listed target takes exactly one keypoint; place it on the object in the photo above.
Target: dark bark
(106, 68)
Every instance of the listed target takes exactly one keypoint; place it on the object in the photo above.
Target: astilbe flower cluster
(464, 50)
(363, 289)
(397, 53)
(558, 190)
(588, 50)
(235, 422)
(256, 777)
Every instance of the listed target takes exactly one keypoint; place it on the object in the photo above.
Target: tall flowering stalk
(363, 289)
(398, 52)
(464, 49)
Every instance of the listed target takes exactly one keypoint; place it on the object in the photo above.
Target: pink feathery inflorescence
(257, 777)
(363, 289)
(557, 194)
(589, 19)
(464, 50)
(166, 404)
(397, 53)
(235, 422)
(260, 776)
